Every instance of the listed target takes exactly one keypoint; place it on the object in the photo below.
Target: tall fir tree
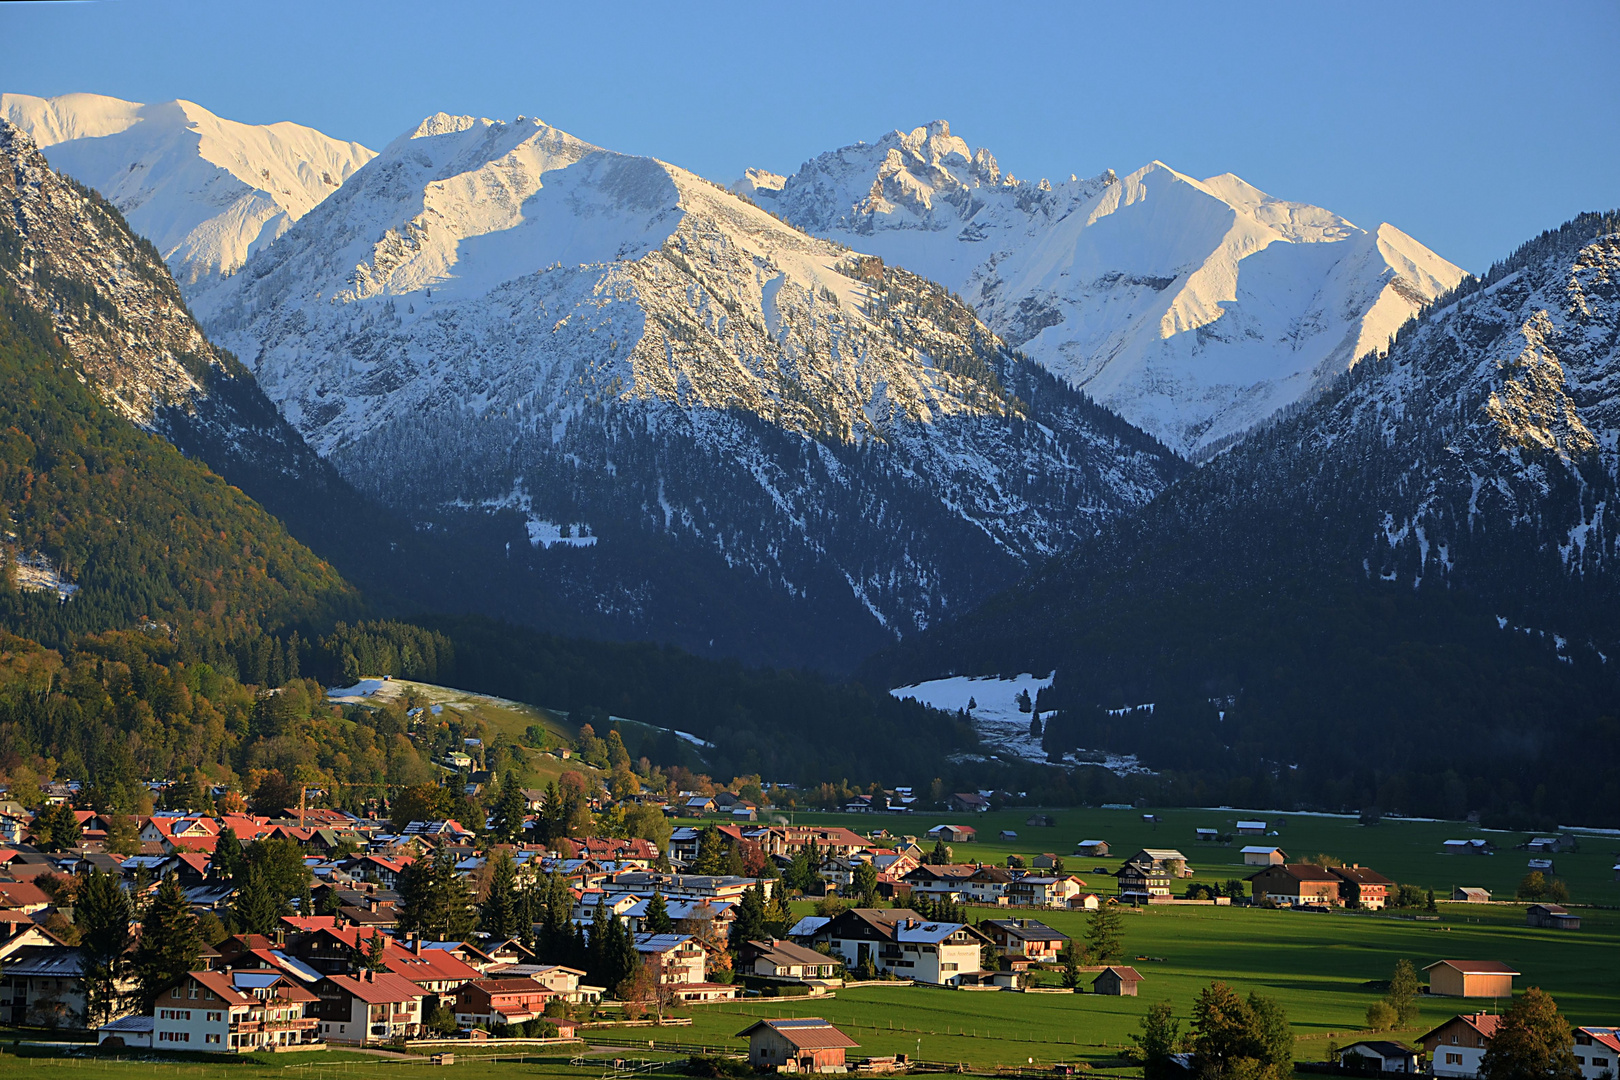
(509, 810)
(657, 920)
(498, 917)
(170, 942)
(101, 911)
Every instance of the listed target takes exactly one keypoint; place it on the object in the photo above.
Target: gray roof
(45, 961)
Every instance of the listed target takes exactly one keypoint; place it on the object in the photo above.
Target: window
(191, 991)
(1600, 1063)
(212, 1039)
(175, 993)
(1453, 1059)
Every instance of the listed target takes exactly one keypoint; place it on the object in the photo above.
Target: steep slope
(683, 418)
(1405, 594)
(92, 351)
(1195, 309)
(207, 191)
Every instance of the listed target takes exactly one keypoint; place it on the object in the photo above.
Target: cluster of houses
(1456, 1048)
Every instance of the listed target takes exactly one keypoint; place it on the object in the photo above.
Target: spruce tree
(509, 810)
(254, 909)
(750, 921)
(1104, 934)
(227, 858)
(499, 915)
(657, 920)
(101, 912)
(170, 942)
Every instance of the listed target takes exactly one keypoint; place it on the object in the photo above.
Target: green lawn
(1407, 851)
(1315, 965)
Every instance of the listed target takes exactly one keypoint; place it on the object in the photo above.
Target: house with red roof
(233, 1011)
(1456, 1046)
(369, 1007)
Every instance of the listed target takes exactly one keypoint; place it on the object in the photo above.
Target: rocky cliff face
(1194, 308)
(653, 394)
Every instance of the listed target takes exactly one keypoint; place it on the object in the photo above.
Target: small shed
(1006, 834)
(1467, 847)
(1470, 978)
(1116, 981)
(1207, 834)
(1376, 1056)
(1551, 917)
(806, 1044)
(1251, 828)
(126, 1031)
(1040, 821)
(1099, 848)
(1470, 894)
(1261, 855)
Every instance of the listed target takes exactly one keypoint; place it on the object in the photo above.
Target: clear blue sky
(1471, 126)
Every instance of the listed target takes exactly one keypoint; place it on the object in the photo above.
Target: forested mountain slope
(651, 410)
(1404, 594)
(91, 354)
(1194, 308)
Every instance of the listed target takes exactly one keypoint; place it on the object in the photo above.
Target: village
(438, 936)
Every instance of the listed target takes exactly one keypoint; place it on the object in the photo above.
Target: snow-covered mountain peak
(1195, 308)
(205, 190)
(494, 307)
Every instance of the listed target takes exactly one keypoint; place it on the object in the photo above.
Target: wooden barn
(1116, 981)
(808, 1044)
(1470, 978)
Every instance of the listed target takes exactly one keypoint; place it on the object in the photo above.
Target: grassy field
(1315, 965)
(1407, 851)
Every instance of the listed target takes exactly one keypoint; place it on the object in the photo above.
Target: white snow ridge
(1194, 308)
(207, 191)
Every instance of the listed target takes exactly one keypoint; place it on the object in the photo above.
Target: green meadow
(1407, 851)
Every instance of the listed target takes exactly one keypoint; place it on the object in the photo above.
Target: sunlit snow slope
(207, 191)
(1194, 308)
(500, 319)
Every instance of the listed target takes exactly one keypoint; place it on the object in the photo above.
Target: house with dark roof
(1360, 887)
(1551, 917)
(778, 959)
(1296, 885)
(1025, 941)
(898, 942)
(1116, 981)
(805, 1044)
(1375, 1056)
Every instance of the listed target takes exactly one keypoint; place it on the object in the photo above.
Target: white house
(1597, 1051)
(233, 1011)
(1456, 1046)
(369, 1007)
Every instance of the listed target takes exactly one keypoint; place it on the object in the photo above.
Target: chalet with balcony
(234, 1012)
(368, 1007)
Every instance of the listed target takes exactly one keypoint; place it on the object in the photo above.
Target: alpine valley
(1263, 507)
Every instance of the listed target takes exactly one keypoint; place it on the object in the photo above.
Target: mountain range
(898, 407)
(1195, 309)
